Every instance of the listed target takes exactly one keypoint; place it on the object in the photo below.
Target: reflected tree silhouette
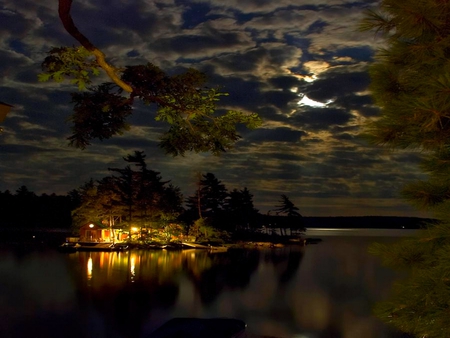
(230, 270)
(148, 281)
(286, 263)
(324, 298)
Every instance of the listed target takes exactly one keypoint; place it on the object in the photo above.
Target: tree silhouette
(287, 207)
(214, 195)
(209, 198)
(239, 208)
(138, 197)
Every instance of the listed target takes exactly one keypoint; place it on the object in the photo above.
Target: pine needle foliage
(411, 85)
(419, 304)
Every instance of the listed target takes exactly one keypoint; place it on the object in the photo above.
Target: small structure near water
(95, 237)
(91, 232)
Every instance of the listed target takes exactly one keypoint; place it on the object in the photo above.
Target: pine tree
(287, 207)
(137, 196)
(213, 194)
(88, 209)
(208, 201)
(411, 85)
(239, 208)
(149, 190)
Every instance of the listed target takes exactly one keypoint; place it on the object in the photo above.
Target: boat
(201, 328)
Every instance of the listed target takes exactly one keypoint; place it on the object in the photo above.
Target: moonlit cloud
(301, 65)
(306, 101)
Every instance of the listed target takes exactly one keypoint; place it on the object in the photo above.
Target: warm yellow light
(91, 225)
(133, 266)
(134, 229)
(89, 268)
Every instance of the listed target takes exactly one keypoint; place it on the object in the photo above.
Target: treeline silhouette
(369, 222)
(26, 210)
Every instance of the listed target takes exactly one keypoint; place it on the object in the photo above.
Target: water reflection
(323, 291)
(132, 267)
(89, 268)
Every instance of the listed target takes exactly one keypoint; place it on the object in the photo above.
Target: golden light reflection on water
(118, 268)
(132, 267)
(323, 288)
(89, 268)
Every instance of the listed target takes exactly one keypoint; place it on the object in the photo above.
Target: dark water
(320, 291)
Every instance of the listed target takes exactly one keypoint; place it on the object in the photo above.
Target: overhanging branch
(69, 25)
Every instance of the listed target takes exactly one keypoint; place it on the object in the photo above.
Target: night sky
(302, 65)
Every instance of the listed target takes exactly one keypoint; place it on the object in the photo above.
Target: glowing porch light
(91, 225)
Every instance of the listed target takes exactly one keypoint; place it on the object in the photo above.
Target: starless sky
(302, 65)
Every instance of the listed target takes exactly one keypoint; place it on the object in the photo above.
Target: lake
(323, 290)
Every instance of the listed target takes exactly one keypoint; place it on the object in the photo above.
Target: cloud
(322, 118)
(336, 83)
(275, 135)
(267, 55)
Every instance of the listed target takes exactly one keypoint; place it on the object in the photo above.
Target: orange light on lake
(89, 268)
(133, 267)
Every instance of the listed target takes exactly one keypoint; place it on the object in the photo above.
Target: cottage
(91, 232)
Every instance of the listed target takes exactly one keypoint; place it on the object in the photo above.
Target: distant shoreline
(309, 222)
(361, 232)
(366, 222)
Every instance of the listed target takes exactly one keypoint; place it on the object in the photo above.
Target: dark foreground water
(325, 290)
